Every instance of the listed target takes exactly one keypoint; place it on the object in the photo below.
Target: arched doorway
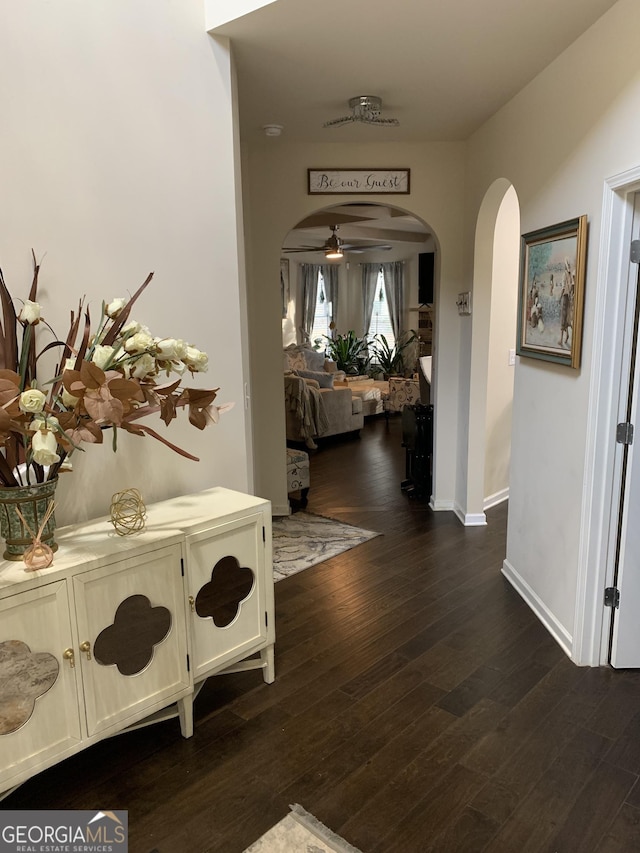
(372, 233)
(495, 288)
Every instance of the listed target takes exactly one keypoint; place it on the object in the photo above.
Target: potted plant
(387, 359)
(349, 352)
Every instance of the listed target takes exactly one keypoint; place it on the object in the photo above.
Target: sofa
(315, 407)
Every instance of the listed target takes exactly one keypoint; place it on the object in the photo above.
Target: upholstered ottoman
(298, 478)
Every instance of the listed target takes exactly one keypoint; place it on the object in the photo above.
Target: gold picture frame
(551, 292)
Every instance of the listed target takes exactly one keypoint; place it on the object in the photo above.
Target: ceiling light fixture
(272, 129)
(333, 254)
(364, 108)
(333, 246)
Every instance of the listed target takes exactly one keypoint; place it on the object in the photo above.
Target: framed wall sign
(357, 181)
(551, 293)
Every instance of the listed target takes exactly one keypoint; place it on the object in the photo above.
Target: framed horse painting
(551, 294)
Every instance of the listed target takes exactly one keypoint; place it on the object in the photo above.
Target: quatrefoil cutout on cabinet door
(221, 597)
(24, 677)
(129, 642)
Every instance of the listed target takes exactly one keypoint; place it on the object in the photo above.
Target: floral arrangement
(108, 379)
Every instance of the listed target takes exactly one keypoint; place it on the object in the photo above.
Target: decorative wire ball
(128, 512)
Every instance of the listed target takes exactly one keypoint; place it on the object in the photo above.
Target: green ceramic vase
(33, 502)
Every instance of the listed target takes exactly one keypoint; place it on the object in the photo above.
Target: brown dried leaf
(91, 375)
(86, 431)
(197, 417)
(102, 407)
(125, 389)
(168, 409)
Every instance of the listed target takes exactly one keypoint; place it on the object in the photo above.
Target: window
(380, 317)
(322, 316)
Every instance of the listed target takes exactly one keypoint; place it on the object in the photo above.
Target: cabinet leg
(268, 665)
(185, 713)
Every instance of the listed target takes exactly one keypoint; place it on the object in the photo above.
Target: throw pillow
(324, 380)
(294, 359)
(314, 359)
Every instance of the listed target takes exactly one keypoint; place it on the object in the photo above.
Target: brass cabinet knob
(192, 603)
(68, 654)
(85, 648)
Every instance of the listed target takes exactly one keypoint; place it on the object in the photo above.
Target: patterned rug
(300, 831)
(302, 540)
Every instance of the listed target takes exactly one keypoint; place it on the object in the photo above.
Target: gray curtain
(394, 288)
(309, 274)
(330, 276)
(369, 282)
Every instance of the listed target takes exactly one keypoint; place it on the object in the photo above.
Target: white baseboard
(280, 509)
(440, 506)
(555, 628)
(496, 498)
(470, 519)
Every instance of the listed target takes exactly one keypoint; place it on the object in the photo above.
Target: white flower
(139, 342)
(68, 399)
(44, 447)
(115, 307)
(102, 356)
(196, 360)
(143, 366)
(31, 400)
(170, 349)
(131, 328)
(30, 313)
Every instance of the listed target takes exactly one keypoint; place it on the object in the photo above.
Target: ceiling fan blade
(385, 122)
(305, 249)
(379, 247)
(336, 122)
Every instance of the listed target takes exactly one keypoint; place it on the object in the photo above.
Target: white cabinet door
(39, 715)
(132, 638)
(227, 582)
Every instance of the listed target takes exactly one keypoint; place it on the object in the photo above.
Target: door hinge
(266, 619)
(624, 433)
(188, 664)
(635, 252)
(264, 535)
(612, 597)
(182, 566)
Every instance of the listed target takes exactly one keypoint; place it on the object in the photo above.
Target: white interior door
(624, 650)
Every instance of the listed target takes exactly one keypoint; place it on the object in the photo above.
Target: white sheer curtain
(330, 276)
(369, 283)
(394, 288)
(309, 274)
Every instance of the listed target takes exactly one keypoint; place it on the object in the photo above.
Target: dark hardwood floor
(418, 705)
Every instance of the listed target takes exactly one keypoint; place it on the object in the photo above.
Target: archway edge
(309, 212)
(483, 263)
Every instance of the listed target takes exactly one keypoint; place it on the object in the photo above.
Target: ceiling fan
(334, 248)
(364, 108)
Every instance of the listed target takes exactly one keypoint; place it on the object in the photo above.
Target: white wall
(118, 158)
(557, 141)
(276, 199)
(502, 338)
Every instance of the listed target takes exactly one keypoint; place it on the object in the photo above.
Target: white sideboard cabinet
(122, 631)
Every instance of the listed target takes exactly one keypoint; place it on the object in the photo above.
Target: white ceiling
(442, 67)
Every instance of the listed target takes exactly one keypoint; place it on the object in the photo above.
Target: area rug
(303, 540)
(300, 832)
